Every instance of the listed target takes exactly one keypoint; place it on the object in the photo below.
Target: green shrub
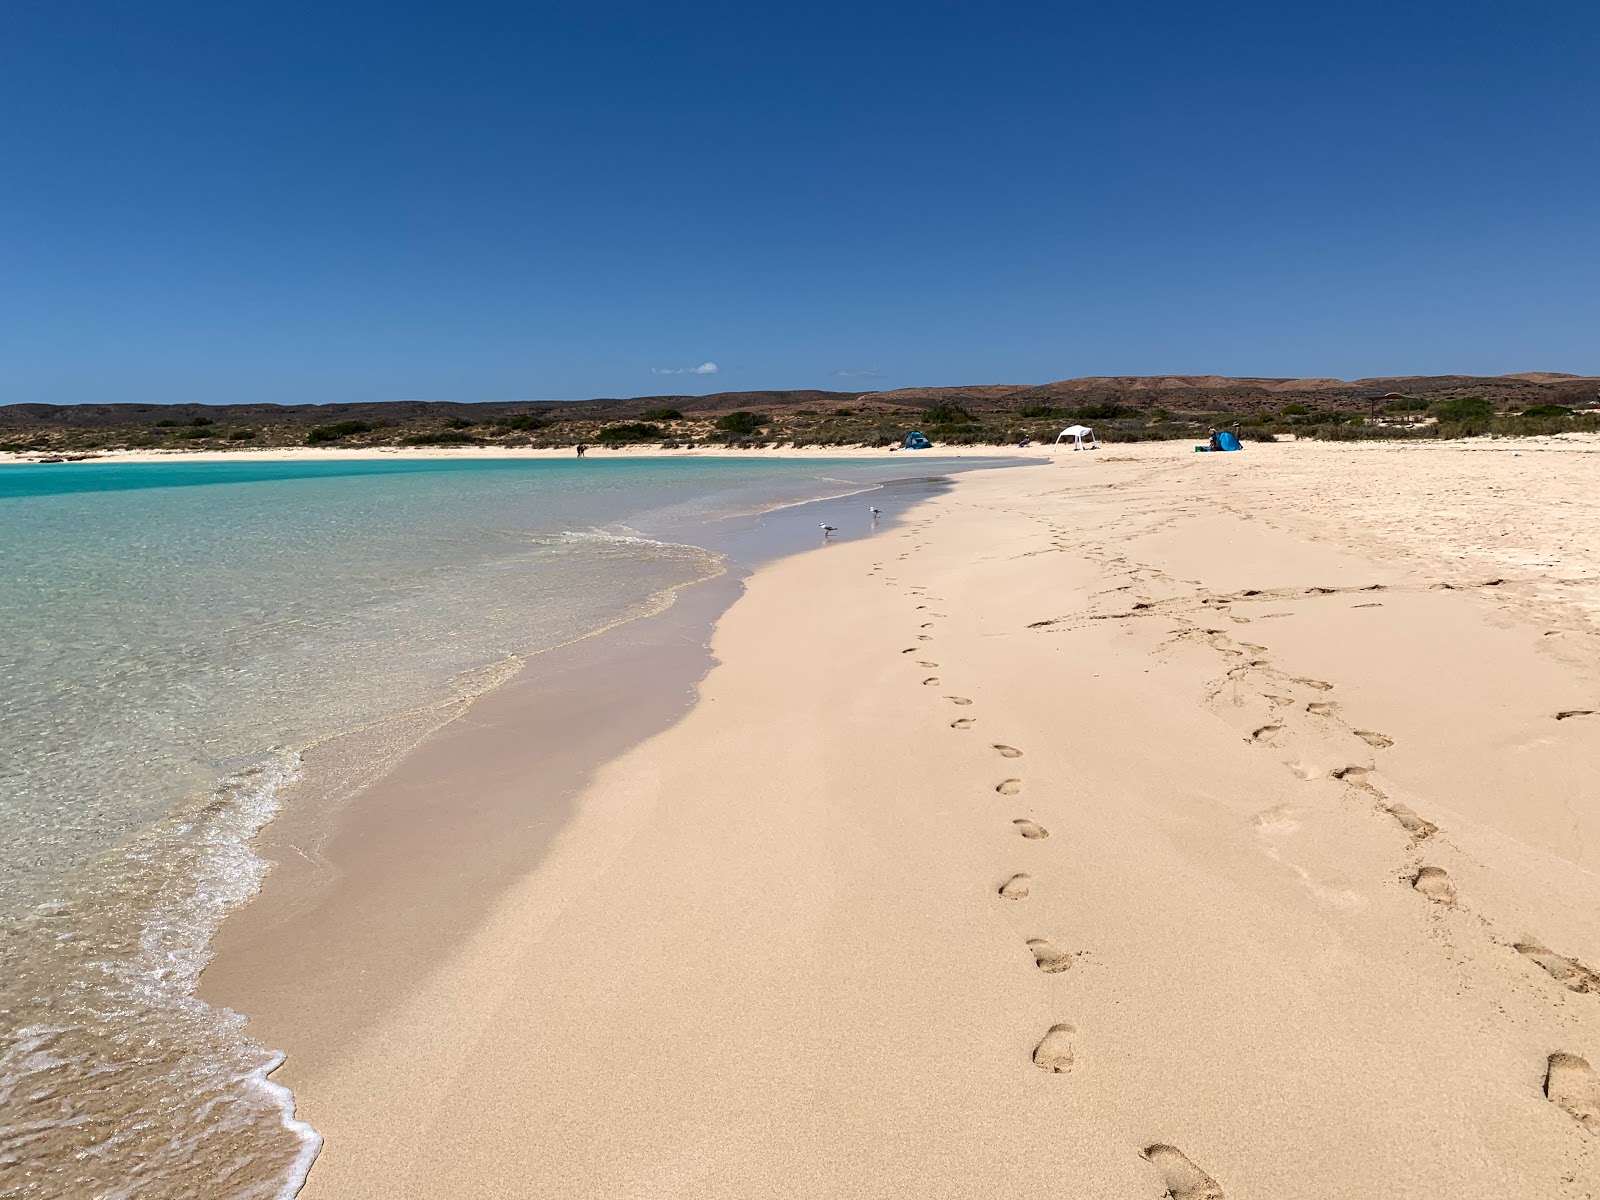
(1463, 408)
(661, 414)
(1547, 410)
(1404, 406)
(844, 412)
(198, 421)
(165, 424)
(1294, 410)
(241, 435)
(522, 421)
(190, 435)
(332, 433)
(1036, 411)
(440, 437)
(1104, 412)
(945, 413)
(742, 423)
(633, 431)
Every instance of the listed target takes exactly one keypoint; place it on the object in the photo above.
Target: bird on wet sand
(827, 529)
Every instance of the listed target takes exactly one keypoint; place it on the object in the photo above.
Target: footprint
(922, 637)
(1008, 751)
(930, 665)
(1381, 740)
(1570, 1084)
(1184, 1180)
(1054, 1053)
(1568, 972)
(1016, 888)
(909, 650)
(1353, 774)
(1030, 830)
(1433, 883)
(962, 723)
(1048, 958)
(931, 681)
(1321, 708)
(1265, 732)
(1567, 714)
(926, 625)
(1009, 787)
(1410, 822)
(1320, 685)
(958, 700)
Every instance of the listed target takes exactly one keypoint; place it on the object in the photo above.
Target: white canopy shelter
(1077, 433)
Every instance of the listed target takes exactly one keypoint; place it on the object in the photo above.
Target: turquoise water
(175, 636)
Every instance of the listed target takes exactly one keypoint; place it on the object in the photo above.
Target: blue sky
(317, 202)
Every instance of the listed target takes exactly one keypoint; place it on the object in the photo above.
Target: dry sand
(1146, 824)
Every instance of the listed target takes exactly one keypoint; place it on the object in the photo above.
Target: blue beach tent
(915, 441)
(1226, 441)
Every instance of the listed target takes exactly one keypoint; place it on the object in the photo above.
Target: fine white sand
(1146, 823)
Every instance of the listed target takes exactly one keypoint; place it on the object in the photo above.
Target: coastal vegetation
(1120, 410)
(337, 432)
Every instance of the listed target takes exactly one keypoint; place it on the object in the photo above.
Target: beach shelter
(1077, 433)
(915, 441)
(1226, 441)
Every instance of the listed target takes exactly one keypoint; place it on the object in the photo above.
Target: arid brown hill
(1142, 393)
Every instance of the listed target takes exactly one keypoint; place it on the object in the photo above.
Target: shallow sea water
(172, 637)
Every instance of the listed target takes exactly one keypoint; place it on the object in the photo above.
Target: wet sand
(1146, 824)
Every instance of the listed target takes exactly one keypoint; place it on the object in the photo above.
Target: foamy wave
(117, 1081)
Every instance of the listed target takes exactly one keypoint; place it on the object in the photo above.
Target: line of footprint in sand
(1054, 1053)
(1570, 1082)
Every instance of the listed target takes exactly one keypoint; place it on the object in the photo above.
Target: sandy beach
(1141, 823)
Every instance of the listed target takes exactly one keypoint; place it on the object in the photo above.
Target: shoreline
(1254, 704)
(1575, 440)
(415, 876)
(600, 453)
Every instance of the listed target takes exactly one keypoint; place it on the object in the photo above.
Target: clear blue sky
(335, 201)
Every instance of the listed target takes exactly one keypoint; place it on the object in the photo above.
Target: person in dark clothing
(581, 449)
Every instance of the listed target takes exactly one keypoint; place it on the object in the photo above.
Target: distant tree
(1104, 412)
(742, 423)
(1463, 408)
(522, 421)
(661, 414)
(633, 431)
(945, 413)
(339, 429)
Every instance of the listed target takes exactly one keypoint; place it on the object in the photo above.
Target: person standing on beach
(581, 449)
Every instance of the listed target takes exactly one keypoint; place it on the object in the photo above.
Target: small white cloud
(858, 373)
(705, 368)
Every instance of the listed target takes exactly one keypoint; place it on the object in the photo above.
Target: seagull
(876, 512)
(827, 529)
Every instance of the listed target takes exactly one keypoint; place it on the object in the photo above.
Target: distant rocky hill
(1125, 407)
(1146, 393)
